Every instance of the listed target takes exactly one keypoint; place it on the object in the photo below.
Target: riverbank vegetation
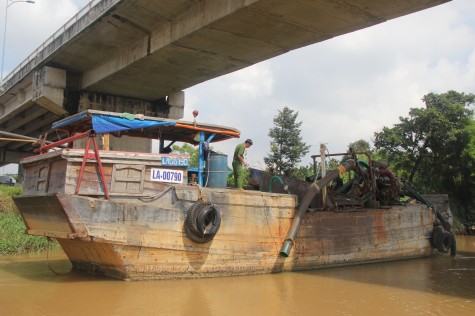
(13, 239)
(434, 148)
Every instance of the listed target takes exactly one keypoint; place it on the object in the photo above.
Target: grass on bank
(13, 239)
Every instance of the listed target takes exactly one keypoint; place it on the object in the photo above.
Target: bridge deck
(146, 50)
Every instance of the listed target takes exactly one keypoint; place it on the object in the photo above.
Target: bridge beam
(162, 45)
(50, 93)
(8, 157)
(137, 56)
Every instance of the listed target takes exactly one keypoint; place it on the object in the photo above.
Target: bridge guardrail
(32, 60)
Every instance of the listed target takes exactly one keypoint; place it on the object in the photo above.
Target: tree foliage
(287, 146)
(360, 145)
(434, 147)
(302, 172)
(188, 149)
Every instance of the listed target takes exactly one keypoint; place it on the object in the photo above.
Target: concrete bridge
(138, 55)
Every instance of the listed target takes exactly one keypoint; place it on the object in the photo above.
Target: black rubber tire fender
(444, 241)
(191, 215)
(453, 248)
(208, 220)
(202, 222)
(435, 235)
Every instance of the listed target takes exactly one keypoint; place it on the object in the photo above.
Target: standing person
(239, 162)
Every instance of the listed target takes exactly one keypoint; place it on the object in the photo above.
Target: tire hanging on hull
(202, 222)
(441, 239)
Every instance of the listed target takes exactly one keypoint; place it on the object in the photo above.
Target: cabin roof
(137, 125)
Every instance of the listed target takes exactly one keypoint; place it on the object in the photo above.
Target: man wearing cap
(239, 163)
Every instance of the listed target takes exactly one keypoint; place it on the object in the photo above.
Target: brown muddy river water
(439, 285)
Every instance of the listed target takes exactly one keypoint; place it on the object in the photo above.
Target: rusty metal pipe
(13, 135)
(315, 188)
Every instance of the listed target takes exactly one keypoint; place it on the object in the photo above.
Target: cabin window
(127, 178)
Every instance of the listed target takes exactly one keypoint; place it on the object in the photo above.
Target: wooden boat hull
(137, 239)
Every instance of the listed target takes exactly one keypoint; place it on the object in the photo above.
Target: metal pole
(201, 159)
(4, 37)
(323, 161)
(7, 4)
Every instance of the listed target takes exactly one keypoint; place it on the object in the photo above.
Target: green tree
(188, 149)
(470, 148)
(431, 146)
(360, 145)
(287, 147)
(302, 172)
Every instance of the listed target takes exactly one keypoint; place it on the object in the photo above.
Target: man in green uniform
(239, 163)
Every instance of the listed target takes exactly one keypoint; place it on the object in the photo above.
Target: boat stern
(44, 215)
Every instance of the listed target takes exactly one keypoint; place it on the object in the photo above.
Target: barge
(149, 216)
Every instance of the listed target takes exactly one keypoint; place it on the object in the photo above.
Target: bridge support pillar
(48, 89)
(176, 105)
(171, 107)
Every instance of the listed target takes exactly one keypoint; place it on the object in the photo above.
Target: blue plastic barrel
(216, 171)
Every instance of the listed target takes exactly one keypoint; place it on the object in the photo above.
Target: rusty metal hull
(130, 239)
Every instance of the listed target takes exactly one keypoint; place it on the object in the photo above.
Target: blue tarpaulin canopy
(137, 125)
(109, 124)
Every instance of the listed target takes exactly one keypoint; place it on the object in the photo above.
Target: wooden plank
(48, 233)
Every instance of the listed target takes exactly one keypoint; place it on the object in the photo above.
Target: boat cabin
(59, 167)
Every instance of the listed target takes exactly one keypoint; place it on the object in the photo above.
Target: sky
(344, 89)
